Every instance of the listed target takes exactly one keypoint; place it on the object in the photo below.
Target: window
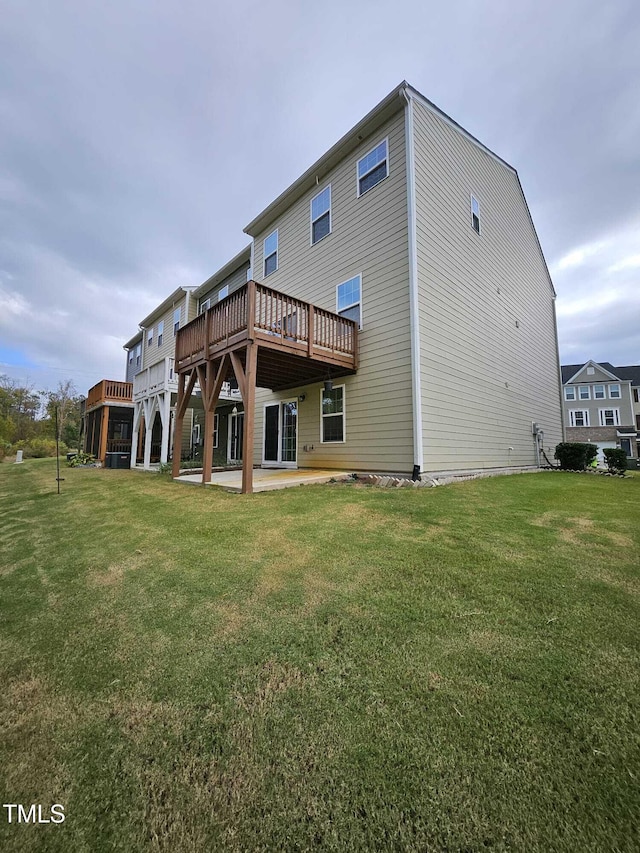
(591, 371)
(321, 215)
(332, 421)
(569, 393)
(579, 418)
(216, 430)
(176, 321)
(609, 417)
(373, 167)
(348, 299)
(160, 332)
(598, 392)
(584, 392)
(614, 391)
(131, 356)
(249, 274)
(150, 337)
(204, 306)
(138, 354)
(475, 214)
(224, 291)
(271, 253)
(636, 398)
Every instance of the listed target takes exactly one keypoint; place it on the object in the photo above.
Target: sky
(138, 138)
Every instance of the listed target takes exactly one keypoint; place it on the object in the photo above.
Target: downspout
(414, 306)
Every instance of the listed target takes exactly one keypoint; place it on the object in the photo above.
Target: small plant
(165, 468)
(575, 455)
(81, 458)
(616, 460)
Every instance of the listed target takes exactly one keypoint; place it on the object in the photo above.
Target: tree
(19, 407)
(68, 402)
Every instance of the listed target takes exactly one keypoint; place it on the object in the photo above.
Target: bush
(5, 448)
(38, 448)
(616, 460)
(81, 458)
(575, 455)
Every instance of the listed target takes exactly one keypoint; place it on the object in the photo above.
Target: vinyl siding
(623, 403)
(235, 280)
(154, 353)
(484, 379)
(369, 236)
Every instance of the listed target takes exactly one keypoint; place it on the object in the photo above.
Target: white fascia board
(595, 364)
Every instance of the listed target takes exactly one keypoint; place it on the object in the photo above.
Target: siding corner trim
(416, 388)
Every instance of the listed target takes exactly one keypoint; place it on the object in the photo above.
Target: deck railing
(109, 390)
(152, 380)
(276, 315)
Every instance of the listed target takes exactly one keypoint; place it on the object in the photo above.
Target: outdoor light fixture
(328, 386)
(302, 398)
(234, 411)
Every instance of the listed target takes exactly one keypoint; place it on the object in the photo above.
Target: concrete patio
(266, 479)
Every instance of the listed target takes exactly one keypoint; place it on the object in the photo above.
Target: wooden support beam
(239, 372)
(210, 396)
(249, 402)
(181, 407)
(104, 431)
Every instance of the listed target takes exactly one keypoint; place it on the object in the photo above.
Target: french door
(236, 435)
(280, 444)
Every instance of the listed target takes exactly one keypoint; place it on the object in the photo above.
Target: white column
(137, 413)
(149, 415)
(165, 409)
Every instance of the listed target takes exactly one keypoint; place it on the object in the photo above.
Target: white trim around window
(223, 293)
(584, 392)
(176, 321)
(579, 417)
(609, 417)
(615, 386)
(204, 306)
(320, 215)
(270, 245)
(475, 214)
(370, 166)
(216, 430)
(599, 392)
(335, 415)
(570, 393)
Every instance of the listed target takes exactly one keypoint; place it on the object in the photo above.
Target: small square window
(204, 306)
(373, 167)
(271, 253)
(321, 215)
(475, 214)
(224, 291)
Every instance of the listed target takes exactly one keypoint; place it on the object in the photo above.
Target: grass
(322, 668)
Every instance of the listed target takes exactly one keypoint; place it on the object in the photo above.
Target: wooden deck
(266, 339)
(109, 391)
(299, 343)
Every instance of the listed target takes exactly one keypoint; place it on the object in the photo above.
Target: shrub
(575, 455)
(616, 460)
(5, 448)
(38, 448)
(81, 458)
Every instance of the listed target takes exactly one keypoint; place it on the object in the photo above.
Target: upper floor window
(569, 393)
(348, 299)
(160, 332)
(321, 215)
(271, 253)
(373, 167)
(636, 397)
(584, 393)
(249, 274)
(591, 371)
(598, 392)
(131, 356)
(224, 291)
(614, 391)
(475, 214)
(138, 354)
(204, 306)
(579, 418)
(150, 337)
(609, 417)
(176, 321)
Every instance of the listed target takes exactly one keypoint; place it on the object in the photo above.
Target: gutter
(414, 305)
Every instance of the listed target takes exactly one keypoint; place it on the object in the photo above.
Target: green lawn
(321, 668)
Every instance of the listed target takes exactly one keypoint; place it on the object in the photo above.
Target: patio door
(236, 435)
(280, 445)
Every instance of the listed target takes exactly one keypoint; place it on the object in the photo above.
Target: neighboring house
(108, 419)
(400, 316)
(601, 405)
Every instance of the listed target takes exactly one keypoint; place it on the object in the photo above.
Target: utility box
(117, 460)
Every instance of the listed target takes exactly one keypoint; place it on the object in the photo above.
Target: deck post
(137, 412)
(249, 402)
(104, 431)
(177, 430)
(149, 418)
(311, 329)
(165, 417)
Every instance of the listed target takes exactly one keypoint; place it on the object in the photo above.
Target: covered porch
(263, 338)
